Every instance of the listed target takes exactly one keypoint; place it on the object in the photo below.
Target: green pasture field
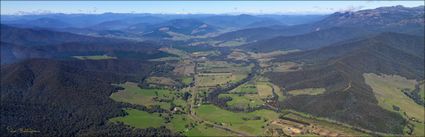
(203, 130)
(140, 119)
(236, 120)
(387, 89)
(135, 95)
(245, 89)
(180, 123)
(187, 80)
(264, 89)
(243, 101)
(214, 79)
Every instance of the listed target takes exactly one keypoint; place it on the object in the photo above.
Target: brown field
(184, 68)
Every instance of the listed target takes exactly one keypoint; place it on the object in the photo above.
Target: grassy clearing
(419, 129)
(180, 123)
(140, 119)
(205, 53)
(307, 91)
(135, 95)
(387, 89)
(264, 89)
(220, 79)
(247, 122)
(243, 101)
(94, 57)
(277, 90)
(422, 90)
(203, 130)
(187, 80)
(245, 89)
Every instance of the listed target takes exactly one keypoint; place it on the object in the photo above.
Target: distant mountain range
(334, 28)
(45, 85)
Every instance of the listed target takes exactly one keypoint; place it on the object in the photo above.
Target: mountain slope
(307, 41)
(67, 98)
(19, 43)
(348, 98)
(394, 19)
(39, 37)
(387, 19)
(179, 26)
(44, 22)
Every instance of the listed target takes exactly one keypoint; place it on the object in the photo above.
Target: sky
(194, 7)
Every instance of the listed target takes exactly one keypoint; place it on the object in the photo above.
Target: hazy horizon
(194, 7)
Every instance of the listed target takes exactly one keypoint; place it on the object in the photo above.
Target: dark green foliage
(348, 98)
(18, 44)
(313, 40)
(414, 95)
(67, 98)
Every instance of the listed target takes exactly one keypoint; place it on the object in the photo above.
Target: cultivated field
(253, 123)
(216, 79)
(213, 73)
